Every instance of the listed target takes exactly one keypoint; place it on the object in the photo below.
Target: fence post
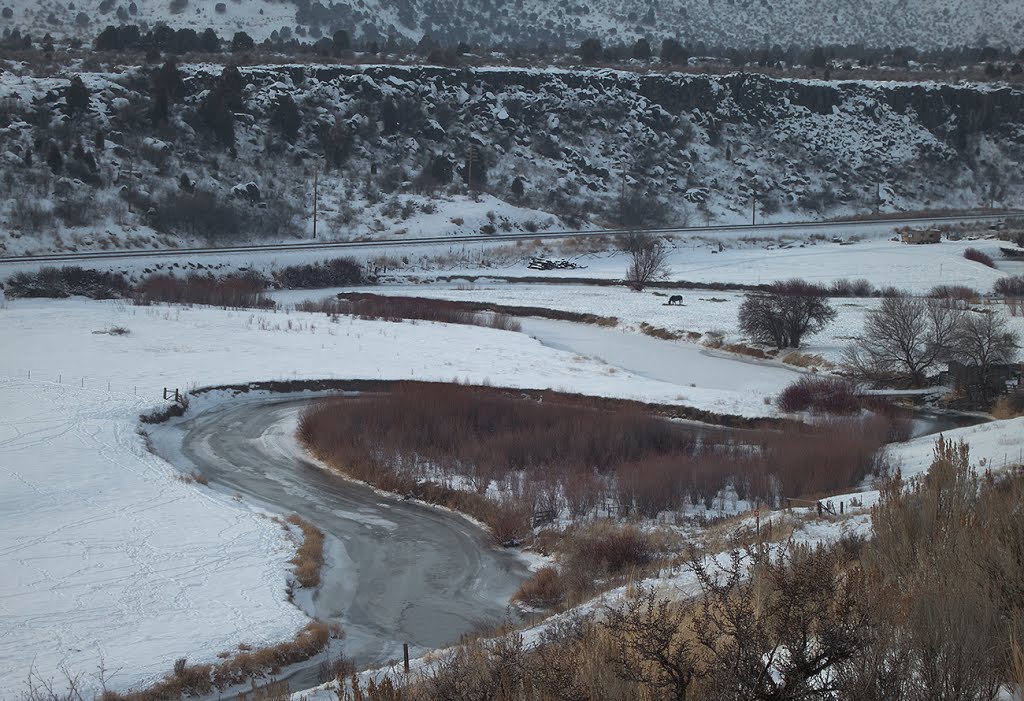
(405, 655)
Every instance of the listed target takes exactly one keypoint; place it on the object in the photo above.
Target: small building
(917, 236)
(1000, 378)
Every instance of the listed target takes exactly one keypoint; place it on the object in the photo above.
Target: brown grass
(194, 477)
(544, 589)
(750, 351)
(658, 332)
(807, 360)
(309, 558)
(198, 680)
(1009, 406)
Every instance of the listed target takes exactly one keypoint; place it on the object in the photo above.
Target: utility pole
(622, 196)
(131, 193)
(316, 195)
(470, 157)
(753, 206)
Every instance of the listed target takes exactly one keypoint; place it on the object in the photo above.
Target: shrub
(237, 291)
(67, 281)
(851, 288)
(954, 293)
(1009, 286)
(607, 548)
(544, 589)
(814, 460)
(979, 257)
(336, 272)
(831, 395)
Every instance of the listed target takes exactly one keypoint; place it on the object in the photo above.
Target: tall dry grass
(244, 667)
(309, 558)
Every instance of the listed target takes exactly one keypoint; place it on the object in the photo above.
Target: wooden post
(405, 655)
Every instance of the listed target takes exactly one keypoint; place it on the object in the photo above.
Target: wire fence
(149, 390)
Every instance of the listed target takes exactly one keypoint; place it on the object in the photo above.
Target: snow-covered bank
(108, 559)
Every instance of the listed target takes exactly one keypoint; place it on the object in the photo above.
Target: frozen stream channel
(395, 571)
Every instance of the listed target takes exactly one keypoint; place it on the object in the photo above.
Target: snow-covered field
(765, 258)
(112, 558)
(882, 262)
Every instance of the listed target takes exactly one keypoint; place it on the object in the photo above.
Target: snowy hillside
(921, 23)
(161, 155)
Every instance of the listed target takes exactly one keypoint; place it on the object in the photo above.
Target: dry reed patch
(807, 360)
(544, 589)
(193, 478)
(750, 351)
(658, 332)
(309, 558)
(1009, 406)
(245, 666)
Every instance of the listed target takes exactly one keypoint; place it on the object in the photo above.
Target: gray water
(396, 572)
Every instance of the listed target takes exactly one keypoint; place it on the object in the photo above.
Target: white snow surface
(109, 559)
(107, 555)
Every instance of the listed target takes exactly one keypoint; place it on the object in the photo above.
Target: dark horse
(675, 299)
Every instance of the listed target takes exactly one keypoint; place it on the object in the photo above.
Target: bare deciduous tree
(648, 259)
(903, 339)
(786, 313)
